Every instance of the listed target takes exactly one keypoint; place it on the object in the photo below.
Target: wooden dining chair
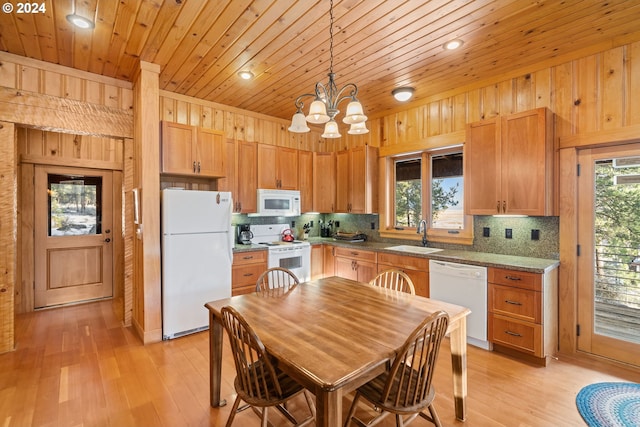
(277, 278)
(397, 280)
(258, 381)
(405, 389)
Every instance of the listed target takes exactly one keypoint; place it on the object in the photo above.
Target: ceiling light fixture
(403, 94)
(80, 21)
(324, 107)
(453, 44)
(245, 74)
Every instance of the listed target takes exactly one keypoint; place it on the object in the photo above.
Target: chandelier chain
(331, 36)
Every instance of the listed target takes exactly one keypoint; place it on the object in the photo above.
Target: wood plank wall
(593, 94)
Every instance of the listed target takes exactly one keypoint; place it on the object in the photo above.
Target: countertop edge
(484, 259)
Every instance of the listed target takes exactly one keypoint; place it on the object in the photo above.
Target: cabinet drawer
(520, 279)
(515, 302)
(403, 261)
(246, 274)
(356, 254)
(523, 336)
(251, 257)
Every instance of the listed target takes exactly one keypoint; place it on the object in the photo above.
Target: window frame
(388, 228)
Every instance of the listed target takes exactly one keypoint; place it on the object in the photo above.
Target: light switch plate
(508, 233)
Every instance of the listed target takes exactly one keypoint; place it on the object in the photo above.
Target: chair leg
(433, 416)
(265, 416)
(311, 403)
(234, 409)
(352, 410)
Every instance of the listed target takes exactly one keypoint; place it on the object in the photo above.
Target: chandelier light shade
(402, 94)
(358, 129)
(331, 130)
(299, 123)
(326, 98)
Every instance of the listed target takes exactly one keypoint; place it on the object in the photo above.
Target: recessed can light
(80, 21)
(453, 44)
(245, 74)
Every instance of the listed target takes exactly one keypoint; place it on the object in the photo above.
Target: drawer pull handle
(512, 278)
(513, 334)
(512, 302)
(248, 257)
(248, 274)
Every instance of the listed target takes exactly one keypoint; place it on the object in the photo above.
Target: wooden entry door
(73, 239)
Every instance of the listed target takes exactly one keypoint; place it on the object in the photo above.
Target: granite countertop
(532, 265)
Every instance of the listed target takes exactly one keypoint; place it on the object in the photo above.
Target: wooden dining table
(333, 335)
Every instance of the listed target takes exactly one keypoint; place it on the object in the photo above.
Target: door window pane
(447, 191)
(617, 248)
(74, 205)
(408, 192)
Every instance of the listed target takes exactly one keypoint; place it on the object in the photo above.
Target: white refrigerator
(197, 242)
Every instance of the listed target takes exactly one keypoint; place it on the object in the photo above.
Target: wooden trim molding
(608, 136)
(8, 233)
(64, 115)
(434, 142)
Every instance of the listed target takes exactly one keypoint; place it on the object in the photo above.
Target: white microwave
(278, 202)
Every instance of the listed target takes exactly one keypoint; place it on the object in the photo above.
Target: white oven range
(294, 256)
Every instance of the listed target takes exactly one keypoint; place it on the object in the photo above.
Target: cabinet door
(343, 181)
(210, 153)
(267, 166)
(345, 267)
(305, 177)
(329, 261)
(324, 182)
(365, 271)
(228, 181)
(363, 181)
(287, 168)
(247, 176)
(178, 149)
(317, 261)
(525, 181)
(482, 168)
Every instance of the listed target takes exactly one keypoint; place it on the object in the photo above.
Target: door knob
(107, 240)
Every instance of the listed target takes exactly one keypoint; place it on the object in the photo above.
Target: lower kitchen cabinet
(415, 267)
(355, 264)
(329, 261)
(317, 261)
(523, 312)
(246, 268)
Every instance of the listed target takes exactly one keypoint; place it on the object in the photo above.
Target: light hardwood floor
(76, 366)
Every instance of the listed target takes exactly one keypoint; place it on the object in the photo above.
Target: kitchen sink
(413, 249)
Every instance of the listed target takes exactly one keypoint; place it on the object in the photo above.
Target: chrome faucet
(423, 224)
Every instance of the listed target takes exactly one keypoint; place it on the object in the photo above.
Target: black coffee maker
(244, 234)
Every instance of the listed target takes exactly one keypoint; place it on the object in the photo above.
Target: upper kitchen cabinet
(305, 180)
(277, 167)
(509, 165)
(189, 150)
(324, 182)
(356, 180)
(241, 177)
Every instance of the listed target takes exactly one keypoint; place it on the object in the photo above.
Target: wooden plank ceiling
(200, 45)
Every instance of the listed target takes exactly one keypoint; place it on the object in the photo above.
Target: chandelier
(324, 108)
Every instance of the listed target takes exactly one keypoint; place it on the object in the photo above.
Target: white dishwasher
(464, 285)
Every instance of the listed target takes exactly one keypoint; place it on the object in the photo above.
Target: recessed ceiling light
(403, 94)
(245, 74)
(453, 44)
(80, 21)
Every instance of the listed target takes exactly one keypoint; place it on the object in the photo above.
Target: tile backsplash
(520, 243)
